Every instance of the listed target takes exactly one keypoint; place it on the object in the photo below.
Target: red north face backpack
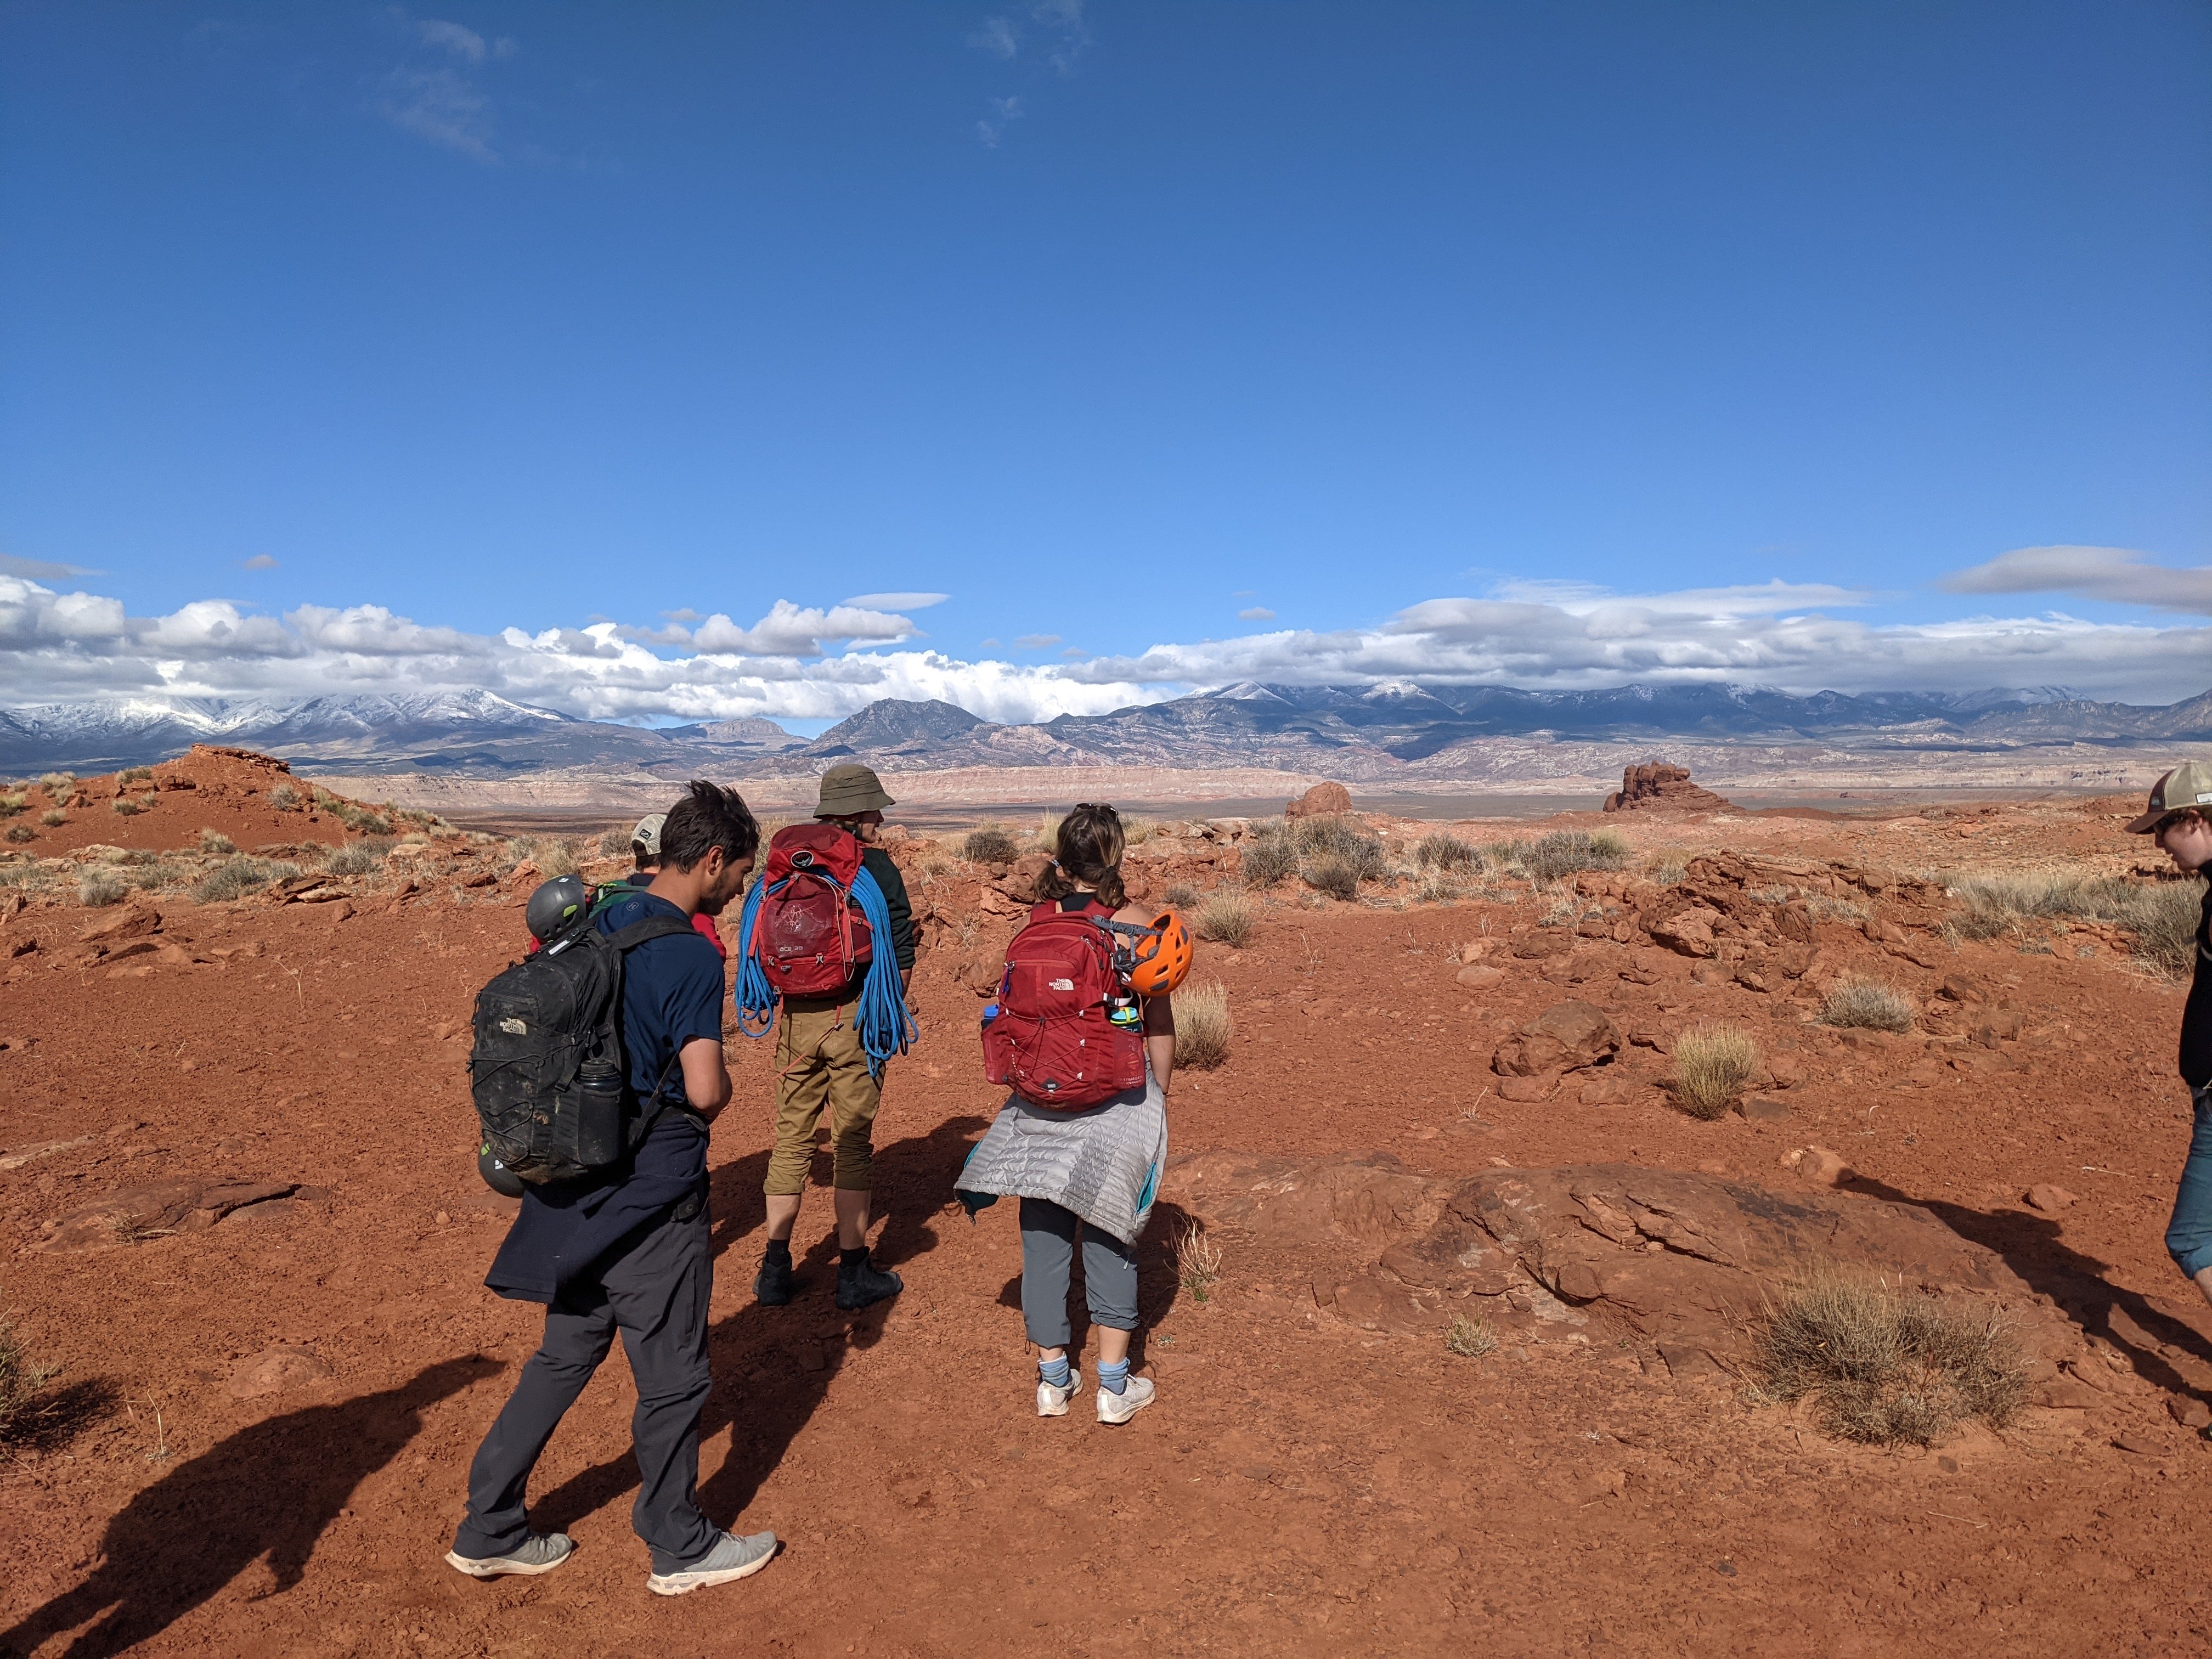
(811, 938)
(1054, 1041)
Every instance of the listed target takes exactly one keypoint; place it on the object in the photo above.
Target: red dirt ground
(1302, 1485)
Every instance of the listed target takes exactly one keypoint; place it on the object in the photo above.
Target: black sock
(852, 1261)
(779, 1250)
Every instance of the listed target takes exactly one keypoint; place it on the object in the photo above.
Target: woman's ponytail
(1087, 857)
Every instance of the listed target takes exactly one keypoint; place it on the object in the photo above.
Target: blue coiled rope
(886, 1027)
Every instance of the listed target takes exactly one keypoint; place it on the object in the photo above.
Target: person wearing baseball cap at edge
(645, 855)
(2180, 819)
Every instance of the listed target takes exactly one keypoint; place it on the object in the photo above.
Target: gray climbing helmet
(555, 907)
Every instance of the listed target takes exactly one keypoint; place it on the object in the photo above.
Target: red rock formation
(1325, 800)
(1660, 787)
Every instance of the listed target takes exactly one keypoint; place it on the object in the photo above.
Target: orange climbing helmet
(1160, 956)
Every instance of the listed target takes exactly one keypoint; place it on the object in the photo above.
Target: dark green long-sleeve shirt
(878, 863)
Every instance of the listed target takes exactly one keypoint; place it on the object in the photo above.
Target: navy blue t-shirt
(671, 995)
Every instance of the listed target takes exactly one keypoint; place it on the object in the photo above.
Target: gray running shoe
(732, 1557)
(541, 1552)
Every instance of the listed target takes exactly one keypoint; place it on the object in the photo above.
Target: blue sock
(1113, 1378)
(1054, 1372)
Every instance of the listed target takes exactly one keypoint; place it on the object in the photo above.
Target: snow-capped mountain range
(1365, 731)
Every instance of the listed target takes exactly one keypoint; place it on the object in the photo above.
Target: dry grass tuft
(284, 798)
(614, 843)
(214, 841)
(238, 875)
(1227, 918)
(95, 888)
(989, 846)
(1441, 851)
(1888, 1367)
(22, 832)
(58, 784)
(126, 809)
(12, 801)
(21, 1379)
(1203, 1028)
(1198, 1263)
(357, 857)
(1333, 876)
(1668, 867)
(1181, 896)
(53, 817)
(1269, 857)
(1470, 1339)
(1711, 1065)
(1870, 1004)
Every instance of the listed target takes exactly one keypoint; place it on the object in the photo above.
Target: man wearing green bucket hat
(820, 1064)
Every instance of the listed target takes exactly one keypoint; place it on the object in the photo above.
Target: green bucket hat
(850, 789)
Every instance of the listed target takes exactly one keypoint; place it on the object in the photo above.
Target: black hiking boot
(776, 1282)
(861, 1283)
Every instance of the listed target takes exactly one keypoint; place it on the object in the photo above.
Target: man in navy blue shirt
(627, 1250)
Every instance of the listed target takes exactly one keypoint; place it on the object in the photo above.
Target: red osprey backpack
(811, 938)
(1054, 1040)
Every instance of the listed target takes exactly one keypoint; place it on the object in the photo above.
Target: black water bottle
(599, 1110)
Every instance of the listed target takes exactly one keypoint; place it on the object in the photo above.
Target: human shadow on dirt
(2075, 1283)
(1159, 1282)
(787, 1356)
(268, 1489)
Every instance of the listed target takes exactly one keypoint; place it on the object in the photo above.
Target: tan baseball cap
(2189, 784)
(848, 790)
(647, 833)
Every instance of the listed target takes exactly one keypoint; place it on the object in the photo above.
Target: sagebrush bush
(1711, 1065)
(1227, 918)
(53, 817)
(2161, 915)
(989, 846)
(1334, 836)
(1203, 1028)
(126, 809)
(1181, 895)
(12, 802)
(1888, 1367)
(1868, 1004)
(1668, 867)
(1331, 875)
(95, 888)
(214, 841)
(1565, 852)
(1268, 858)
(357, 857)
(22, 832)
(238, 875)
(58, 784)
(614, 843)
(284, 798)
(134, 775)
(1442, 851)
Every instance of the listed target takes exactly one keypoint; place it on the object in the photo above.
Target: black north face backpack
(548, 1073)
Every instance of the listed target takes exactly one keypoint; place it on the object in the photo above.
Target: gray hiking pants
(655, 1293)
(1109, 1274)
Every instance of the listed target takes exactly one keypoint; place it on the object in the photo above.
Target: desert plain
(1456, 1307)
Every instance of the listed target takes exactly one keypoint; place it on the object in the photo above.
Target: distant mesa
(1659, 787)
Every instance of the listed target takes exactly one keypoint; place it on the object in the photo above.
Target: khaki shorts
(819, 1062)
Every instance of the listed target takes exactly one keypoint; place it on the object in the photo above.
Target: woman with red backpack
(1084, 1034)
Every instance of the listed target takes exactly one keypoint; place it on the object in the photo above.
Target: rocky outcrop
(1323, 800)
(1661, 788)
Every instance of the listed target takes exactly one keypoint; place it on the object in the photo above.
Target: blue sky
(368, 346)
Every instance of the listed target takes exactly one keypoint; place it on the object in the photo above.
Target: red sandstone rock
(1660, 787)
(1323, 800)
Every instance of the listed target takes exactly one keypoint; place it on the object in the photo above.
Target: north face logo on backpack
(1063, 984)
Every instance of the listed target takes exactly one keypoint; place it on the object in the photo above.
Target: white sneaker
(1120, 1407)
(1053, 1402)
(732, 1558)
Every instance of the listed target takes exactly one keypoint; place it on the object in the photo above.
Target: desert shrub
(1181, 896)
(1338, 835)
(1825, 908)
(95, 888)
(22, 832)
(1711, 1065)
(614, 843)
(127, 808)
(1227, 918)
(357, 857)
(1048, 831)
(1667, 867)
(12, 801)
(1470, 1339)
(134, 775)
(1564, 852)
(1867, 1003)
(2162, 914)
(1888, 1367)
(1269, 858)
(53, 817)
(1198, 1261)
(556, 858)
(284, 798)
(1136, 832)
(154, 876)
(1202, 1026)
(1331, 875)
(989, 846)
(58, 784)
(1441, 851)
(214, 841)
(240, 875)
